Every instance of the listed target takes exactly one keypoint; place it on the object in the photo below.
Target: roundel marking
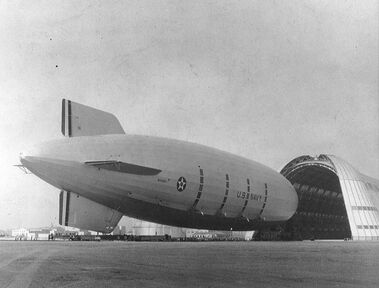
(181, 184)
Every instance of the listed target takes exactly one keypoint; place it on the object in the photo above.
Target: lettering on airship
(246, 195)
(181, 184)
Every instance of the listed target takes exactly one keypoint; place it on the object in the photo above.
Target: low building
(21, 233)
(119, 230)
(144, 228)
(39, 233)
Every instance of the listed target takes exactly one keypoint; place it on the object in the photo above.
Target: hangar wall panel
(361, 210)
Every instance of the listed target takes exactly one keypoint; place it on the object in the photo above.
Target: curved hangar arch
(335, 200)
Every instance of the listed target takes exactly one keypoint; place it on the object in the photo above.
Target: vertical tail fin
(81, 120)
(79, 212)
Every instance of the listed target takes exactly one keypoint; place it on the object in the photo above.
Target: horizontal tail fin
(81, 120)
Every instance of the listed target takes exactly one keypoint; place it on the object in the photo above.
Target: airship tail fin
(79, 212)
(81, 120)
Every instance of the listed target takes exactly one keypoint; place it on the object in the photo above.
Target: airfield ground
(184, 264)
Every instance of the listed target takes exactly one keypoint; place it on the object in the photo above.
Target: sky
(267, 80)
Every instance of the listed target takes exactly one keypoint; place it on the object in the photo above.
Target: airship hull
(166, 181)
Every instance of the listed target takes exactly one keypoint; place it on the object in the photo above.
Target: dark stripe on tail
(69, 119)
(63, 117)
(67, 208)
(60, 208)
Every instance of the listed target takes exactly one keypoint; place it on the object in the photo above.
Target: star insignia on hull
(181, 184)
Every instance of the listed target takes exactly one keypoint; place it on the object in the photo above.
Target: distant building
(119, 230)
(242, 235)
(144, 228)
(39, 233)
(197, 233)
(21, 233)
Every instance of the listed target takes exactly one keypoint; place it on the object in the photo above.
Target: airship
(103, 174)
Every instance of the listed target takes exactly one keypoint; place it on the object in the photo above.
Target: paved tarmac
(186, 264)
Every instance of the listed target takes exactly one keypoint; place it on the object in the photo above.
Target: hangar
(336, 201)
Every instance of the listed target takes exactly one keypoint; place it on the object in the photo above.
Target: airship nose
(30, 151)
(27, 156)
(23, 155)
(25, 160)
